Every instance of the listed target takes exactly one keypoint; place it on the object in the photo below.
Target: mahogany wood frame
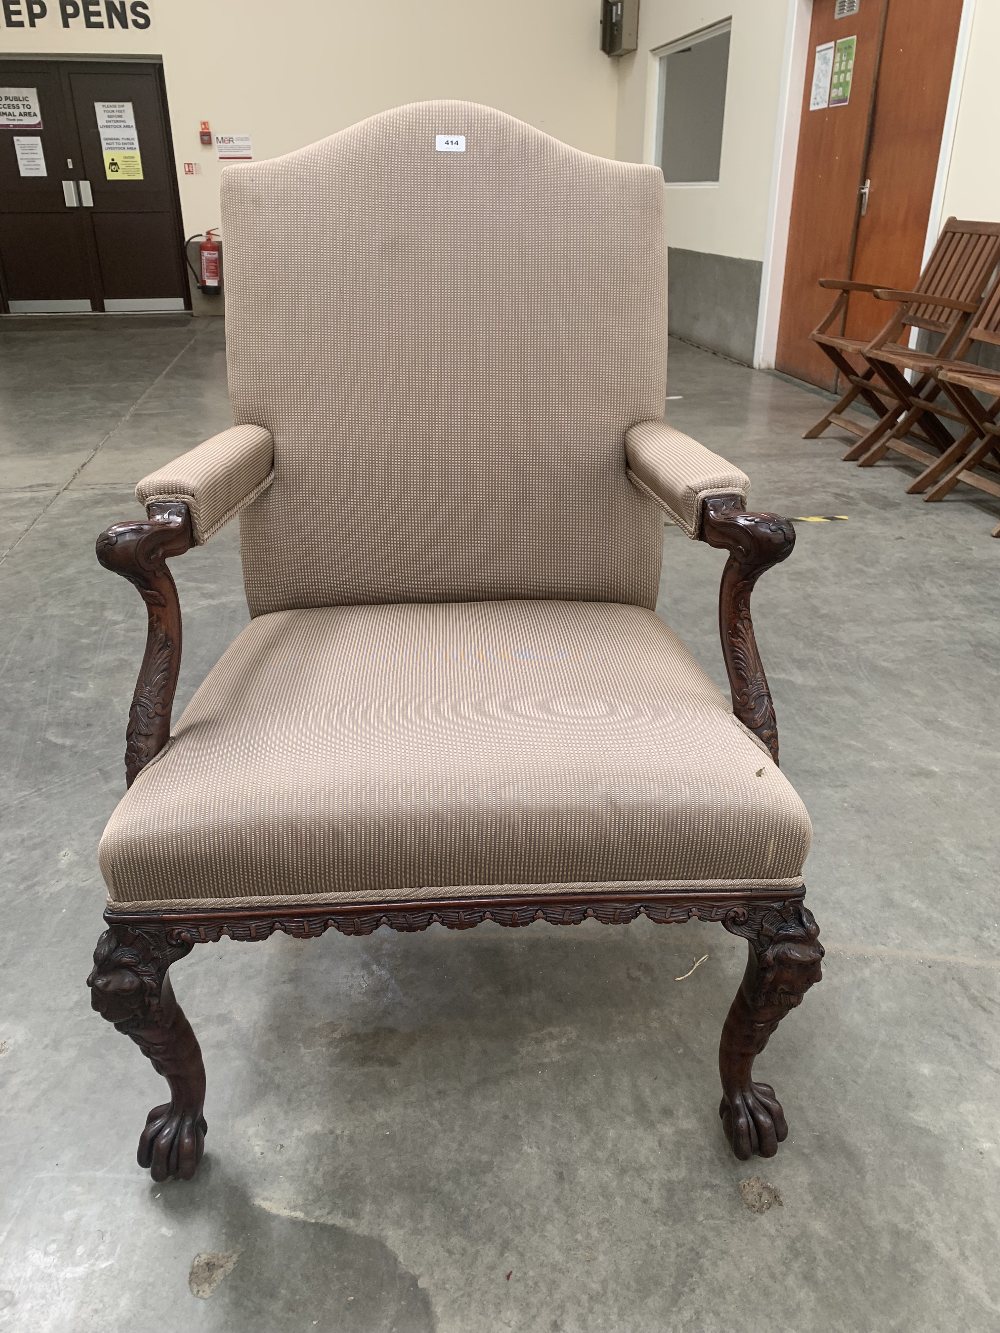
(130, 983)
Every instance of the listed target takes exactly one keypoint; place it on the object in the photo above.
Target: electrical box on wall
(619, 26)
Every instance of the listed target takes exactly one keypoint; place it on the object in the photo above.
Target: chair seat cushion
(358, 754)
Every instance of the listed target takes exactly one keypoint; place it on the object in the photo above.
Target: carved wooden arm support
(139, 553)
(755, 542)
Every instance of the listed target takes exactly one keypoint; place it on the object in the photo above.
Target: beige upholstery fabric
(372, 753)
(447, 349)
(451, 686)
(679, 473)
(216, 479)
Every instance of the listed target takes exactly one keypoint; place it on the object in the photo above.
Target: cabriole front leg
(784, 960)
(129, 986)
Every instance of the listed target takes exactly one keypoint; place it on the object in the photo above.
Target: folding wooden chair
(962, 384)
(961, 406)
(948, 291)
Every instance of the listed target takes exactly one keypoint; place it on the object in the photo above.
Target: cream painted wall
(730, 218)
(291, 73)
(972, 186)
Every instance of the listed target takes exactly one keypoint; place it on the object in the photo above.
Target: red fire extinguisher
(208, 274)
(210, 251)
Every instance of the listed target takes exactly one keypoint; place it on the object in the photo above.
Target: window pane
(694, 104)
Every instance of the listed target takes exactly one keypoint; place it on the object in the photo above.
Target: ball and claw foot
(784, 961)
(753, 1121)
(172, 1144)
(130, 987)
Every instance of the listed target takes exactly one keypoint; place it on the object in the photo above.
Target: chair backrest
(447, 320)
(959, 268)
(985, 326)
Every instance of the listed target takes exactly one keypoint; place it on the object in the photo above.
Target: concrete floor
(510, 1130)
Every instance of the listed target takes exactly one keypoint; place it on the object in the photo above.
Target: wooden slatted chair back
(959, 267)
(985, 326)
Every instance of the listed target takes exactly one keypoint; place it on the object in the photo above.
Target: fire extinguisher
(208, 274)
(211, 264)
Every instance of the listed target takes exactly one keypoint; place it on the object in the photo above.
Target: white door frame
(936, 218)
(786, 143)
(794, 66)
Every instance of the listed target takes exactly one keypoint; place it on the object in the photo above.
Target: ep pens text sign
(75, 14)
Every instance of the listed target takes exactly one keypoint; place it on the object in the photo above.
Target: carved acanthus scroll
(139, 553)
(755, 542)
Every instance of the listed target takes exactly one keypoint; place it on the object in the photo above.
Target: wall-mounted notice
(30, 155)
(119, 140)
(19, 107)
(234, 147)
(843, 71)
(123, 166)
(819, 96)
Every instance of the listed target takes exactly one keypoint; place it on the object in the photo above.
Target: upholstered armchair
(454, 701)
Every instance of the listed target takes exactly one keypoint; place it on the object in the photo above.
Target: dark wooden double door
(99, 230)
(865, 170)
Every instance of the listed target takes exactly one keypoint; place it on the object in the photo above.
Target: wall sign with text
(19, 108)
(833, 73)
(843, 71)
(30, 155)
(234, 147)
(119, 141)
(104, 15)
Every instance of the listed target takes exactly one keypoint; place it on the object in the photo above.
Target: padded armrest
(215, 479)
(679, 473)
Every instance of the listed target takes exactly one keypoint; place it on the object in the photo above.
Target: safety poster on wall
(843, 71)
(119, 141)
(819, 93)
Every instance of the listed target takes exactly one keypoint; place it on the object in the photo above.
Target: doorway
(89, 209)
(873, 110)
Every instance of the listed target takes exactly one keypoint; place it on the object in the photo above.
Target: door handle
(86, 194)
(70, 195)
(864, 192)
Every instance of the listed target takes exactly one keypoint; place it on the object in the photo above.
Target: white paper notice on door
(119, 141)
(30, 156)
(19, 107)
(116, 124)
(819, 95)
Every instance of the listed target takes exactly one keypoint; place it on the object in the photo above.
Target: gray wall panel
(714, 301)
